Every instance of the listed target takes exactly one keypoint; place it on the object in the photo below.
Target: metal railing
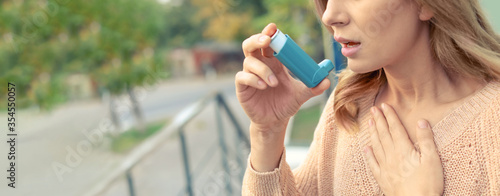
(178, 127)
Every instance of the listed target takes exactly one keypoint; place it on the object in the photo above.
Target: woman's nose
(335, 13)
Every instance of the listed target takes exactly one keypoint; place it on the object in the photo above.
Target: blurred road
(48, 140)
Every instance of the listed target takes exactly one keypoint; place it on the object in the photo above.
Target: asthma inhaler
(297, 61)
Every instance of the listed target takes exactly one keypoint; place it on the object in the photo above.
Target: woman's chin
(361, 68)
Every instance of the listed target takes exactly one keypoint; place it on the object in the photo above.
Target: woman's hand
(267, 93)
(399, 167)
(269, 96)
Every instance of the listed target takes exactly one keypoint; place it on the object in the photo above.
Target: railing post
(222, 144)
(239, 130)
(130, 182)
(185, 158)
(242, 135)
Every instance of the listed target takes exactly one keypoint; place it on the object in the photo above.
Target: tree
(114, 42)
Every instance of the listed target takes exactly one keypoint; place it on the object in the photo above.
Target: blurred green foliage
(115, 43)
(123, 43)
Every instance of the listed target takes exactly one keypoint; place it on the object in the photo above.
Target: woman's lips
(349, 47)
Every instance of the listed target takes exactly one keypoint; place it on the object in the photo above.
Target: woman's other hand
(400, 167)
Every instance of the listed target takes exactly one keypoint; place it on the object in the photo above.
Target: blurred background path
(45, 139)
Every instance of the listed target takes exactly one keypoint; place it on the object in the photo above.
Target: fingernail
(422, 124)
(370, 122)
(384, 106)
(272, 80)
(262, 39)
(260, 83)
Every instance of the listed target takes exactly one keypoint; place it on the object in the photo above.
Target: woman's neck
(420, 81)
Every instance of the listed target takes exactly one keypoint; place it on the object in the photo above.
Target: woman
(416, 113)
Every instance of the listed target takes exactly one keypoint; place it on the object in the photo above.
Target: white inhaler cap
(277, 41)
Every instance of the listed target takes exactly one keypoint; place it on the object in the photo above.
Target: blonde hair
(462, 40)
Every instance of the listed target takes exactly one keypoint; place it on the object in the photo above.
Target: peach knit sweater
(468, 141)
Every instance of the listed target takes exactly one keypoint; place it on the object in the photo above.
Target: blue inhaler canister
(298, 62)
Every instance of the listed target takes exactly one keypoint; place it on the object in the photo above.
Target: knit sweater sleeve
(282, 180)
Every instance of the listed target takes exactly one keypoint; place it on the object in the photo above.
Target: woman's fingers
(244, 80)
(325, 84)
(372, 162)
(254, 48)
(259, 68)
(425, 140)
(376, 145)
(382, 129)
(396, 129)
(269, 30)
(429, 156)
(252, 45)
